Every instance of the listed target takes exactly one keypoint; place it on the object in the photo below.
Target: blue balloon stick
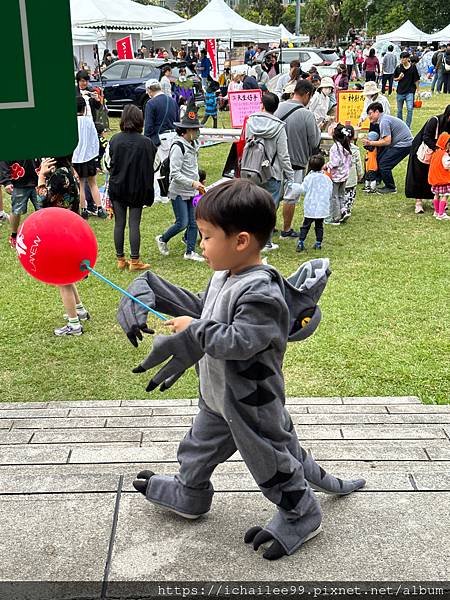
(85, 265)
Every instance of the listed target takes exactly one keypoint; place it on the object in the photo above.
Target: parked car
(123, 82)
(325, 59)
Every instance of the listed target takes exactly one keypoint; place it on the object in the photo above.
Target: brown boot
(136, 264)
(122, 263)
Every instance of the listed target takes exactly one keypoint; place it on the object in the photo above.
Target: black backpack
(164, 171)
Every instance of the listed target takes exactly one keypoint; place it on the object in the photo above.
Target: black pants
(371, 76)
(214, 118)
(318, 227)
(446, 82)
(349, 71)
(389, 79)
(134, 223)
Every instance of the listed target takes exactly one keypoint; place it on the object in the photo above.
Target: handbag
(424, 152)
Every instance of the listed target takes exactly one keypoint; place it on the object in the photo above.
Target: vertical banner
(211, 49)
(124, 47)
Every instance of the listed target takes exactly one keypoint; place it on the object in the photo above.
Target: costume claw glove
(132, 317)
(260, 536)
(311, 277)
(183, 352)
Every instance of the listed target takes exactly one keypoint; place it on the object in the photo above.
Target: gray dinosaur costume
(238, 338)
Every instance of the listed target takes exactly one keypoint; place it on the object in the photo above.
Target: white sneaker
(162, 246)
(83, 315)
(4, 217)
(443, 217)
(269, 247)
(193, 256)
(435, 214)
(68, 330)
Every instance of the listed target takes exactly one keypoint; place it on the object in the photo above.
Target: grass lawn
(385, 327)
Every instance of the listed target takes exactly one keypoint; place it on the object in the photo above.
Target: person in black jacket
(130, 157)
(416, 185)
(91, 97)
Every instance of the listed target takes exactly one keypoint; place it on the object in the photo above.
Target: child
(211, 102)
(57, 186)
(317, 188)
(439, 176)
(19, 178)
(356, 174)
(237, 332)
(339, 169)
(85, 159)
(371, 164)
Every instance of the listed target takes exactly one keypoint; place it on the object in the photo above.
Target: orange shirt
(370, 160)
(438, 174)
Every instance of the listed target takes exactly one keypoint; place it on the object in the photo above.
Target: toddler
(355, 175)
(371, 164)
(339, 169)
(439, 176)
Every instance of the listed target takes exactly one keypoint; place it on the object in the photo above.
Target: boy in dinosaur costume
(236, 333)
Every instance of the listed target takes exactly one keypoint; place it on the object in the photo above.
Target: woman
(371, 66)
(130, 157)
(416, 185)
(184, 184)
(373, 94)
(341, 78)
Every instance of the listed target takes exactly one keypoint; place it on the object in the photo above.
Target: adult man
(161, 112)
(283, 80)
(204, 68)
(303, 137)
(350, 60)
(249, 54)
(446, 70)
(436, 61)
(392, 147)
(264, 125)
(388, 67)
(407, 76)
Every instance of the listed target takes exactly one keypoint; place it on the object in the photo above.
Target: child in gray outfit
(236, 332)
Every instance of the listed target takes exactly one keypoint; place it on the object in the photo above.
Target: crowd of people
(154, 158)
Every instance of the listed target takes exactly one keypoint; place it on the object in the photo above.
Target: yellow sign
(350, 104)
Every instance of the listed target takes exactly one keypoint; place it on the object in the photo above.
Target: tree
(264, 12)
(288, 18)
(189, 8)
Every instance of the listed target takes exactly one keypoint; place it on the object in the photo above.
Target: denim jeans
(387, 160)
(409, 99)
(437, 82)
(273, 186)
(184, 218)
(20, 197)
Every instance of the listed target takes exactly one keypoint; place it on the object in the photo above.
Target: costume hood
(264, 125)
(443, 140)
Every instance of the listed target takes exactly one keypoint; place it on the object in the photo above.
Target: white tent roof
(220, 21)
(285, 33)
(84, 37)
(441, 36)
(407, 32)
(120, 13)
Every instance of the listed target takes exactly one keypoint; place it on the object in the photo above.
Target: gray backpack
(256, 165)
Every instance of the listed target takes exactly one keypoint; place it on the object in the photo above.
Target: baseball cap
(152, 83)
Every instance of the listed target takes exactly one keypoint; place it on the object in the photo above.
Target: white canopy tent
(441, 36)
(121, 14)
(219, 21)
(407, 32)
(285, 33)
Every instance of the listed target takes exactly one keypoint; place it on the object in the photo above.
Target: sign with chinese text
(125, 48)
(37, 119)
(350, 104)
(242, 104)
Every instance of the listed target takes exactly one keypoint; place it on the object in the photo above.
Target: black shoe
(345, 216)
(288, 234)
(317, 246)
(386, 190)
(300, 246)
(84, 214)
(101, 214)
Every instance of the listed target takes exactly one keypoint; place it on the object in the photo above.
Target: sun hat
(326, 82)
(370, 88)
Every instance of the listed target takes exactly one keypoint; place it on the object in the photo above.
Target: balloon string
(85, 265)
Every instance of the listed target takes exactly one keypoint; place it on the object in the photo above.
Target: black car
(123, 82)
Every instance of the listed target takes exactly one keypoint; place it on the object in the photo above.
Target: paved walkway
(68, 509)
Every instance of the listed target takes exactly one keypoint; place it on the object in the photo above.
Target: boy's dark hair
(390, 48)
(132, 119)
(81, 105)
(294, 64)
(239, 205)
(316, 162)
(270, 101)
(405, 55)
(375, 106)
(201, 175)
(302, 87)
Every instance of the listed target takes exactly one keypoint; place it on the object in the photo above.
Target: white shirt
(166, 88)
(88, 144)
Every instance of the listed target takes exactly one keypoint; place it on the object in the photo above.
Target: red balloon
(53, 242)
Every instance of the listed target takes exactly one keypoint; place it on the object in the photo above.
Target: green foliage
(288, 18)
(189, 8)
(269, 12)
(427, 15)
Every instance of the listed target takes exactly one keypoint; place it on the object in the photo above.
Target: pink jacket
(340, 163)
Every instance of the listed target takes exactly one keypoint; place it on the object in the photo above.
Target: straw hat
(326, 82)
(370, 88)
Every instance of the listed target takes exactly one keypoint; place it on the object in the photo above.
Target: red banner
(125, 48)
(211, 49)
